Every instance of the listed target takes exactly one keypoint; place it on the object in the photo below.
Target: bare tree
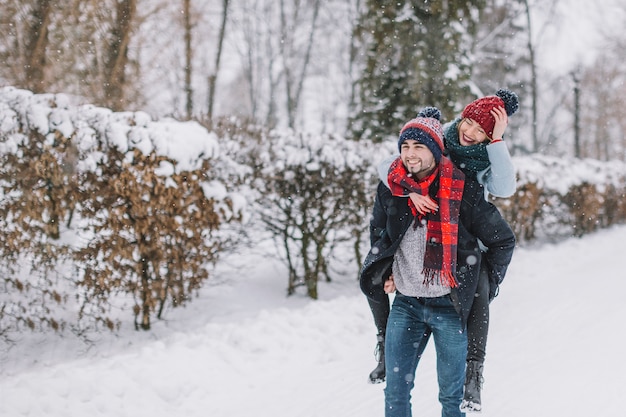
(534, 40)
(212, 79)
(294, 80)
(253, 24)
(533, 78)
(24, 43)
(188, 28)
(352, 58)
(117, 56)
(37, 45)
(576, 81)
(602, 130)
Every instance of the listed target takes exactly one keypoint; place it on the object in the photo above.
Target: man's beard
(419, 170)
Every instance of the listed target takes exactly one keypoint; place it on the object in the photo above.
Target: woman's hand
(390, 285)
(502, 120)
(423, 203)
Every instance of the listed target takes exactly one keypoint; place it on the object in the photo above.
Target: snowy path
(555, 348)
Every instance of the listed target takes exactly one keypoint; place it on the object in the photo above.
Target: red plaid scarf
(443, 225)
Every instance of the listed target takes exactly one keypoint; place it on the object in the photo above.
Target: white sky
(578, 34)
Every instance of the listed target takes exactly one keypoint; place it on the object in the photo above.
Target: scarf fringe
(433, 276)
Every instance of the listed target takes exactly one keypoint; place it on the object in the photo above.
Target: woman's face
(470, 133)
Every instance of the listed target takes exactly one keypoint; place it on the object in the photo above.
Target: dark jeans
(411, 323)
(477, 325)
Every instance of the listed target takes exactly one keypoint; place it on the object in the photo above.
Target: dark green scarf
(469, 158)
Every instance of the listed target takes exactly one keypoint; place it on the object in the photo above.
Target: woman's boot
(473, 385)
(378, 374)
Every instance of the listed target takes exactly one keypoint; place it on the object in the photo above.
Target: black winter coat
(479, 219)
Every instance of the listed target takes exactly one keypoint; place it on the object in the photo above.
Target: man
(431, 260)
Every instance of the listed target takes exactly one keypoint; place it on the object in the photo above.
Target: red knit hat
(479, 110)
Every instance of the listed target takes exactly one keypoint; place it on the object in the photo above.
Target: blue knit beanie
(426, 129)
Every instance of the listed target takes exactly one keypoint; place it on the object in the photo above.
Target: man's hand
(390, 285)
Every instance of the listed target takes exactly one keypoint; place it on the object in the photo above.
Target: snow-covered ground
(244, 349)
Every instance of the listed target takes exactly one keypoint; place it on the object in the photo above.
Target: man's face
(417, 158)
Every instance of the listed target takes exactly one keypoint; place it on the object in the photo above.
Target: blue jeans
(411, 322)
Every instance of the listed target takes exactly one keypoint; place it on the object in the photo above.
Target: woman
(475, 144)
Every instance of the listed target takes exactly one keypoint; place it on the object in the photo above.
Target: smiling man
(431, 259)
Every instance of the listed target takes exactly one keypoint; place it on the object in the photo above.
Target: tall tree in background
(295, 65)
(117, 56)
(36, 46)
(352, 59)
(533, 78)
(534, 36)
(279, 42)
(415, 55)
(218, 57)
(254, 24)
(188, 27)
(24, 42)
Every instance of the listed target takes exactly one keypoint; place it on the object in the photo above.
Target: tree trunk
(188, 59)
(218, 56)
(533, 79)
(352, 65)
(37, 46)
(293, 87)
(576, 79)
(118, 55)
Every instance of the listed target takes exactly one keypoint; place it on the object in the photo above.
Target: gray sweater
(408, 263)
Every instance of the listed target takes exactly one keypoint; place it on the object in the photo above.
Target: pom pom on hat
(430, 112)
(426, 129)
(479, 110)
(511, 102)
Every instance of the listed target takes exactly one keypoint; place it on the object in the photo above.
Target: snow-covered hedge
(559, 197)
(100, 208)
